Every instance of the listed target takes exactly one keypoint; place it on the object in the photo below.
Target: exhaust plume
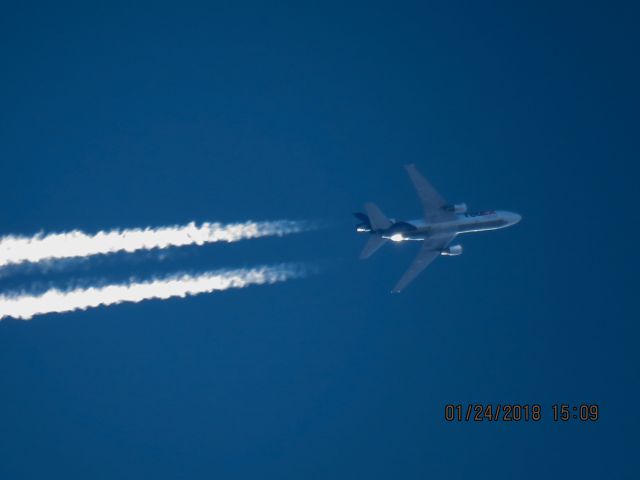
(18, 249)
(24, 306)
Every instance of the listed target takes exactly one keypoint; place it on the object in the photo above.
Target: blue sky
(123, 116)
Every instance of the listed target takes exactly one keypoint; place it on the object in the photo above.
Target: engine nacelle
(457, 208)
(452, 251)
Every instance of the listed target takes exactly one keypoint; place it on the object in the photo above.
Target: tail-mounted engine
(452, 251)
(364, 225)
(457, 208)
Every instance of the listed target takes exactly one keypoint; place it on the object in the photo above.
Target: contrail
(25, 306)
(18, 249)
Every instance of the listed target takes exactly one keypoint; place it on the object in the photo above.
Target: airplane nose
(514, 218)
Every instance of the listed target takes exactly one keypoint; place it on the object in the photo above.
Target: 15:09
(585, 412)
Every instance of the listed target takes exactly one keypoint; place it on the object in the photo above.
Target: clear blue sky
(134, 115)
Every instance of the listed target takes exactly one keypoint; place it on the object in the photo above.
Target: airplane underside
(441, 224)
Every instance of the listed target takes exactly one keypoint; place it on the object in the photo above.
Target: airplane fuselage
(442, 222)
(463, 223)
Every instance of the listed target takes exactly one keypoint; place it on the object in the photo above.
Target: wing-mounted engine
(456, 208)
(452, 251)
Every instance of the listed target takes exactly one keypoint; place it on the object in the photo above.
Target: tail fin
(378, 220)
(374, 243)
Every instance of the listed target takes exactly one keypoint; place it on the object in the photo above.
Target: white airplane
(442, 222)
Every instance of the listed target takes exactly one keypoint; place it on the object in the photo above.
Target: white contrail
(18, 249)
(24, 306)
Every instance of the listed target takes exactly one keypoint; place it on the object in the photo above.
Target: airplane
(441, 224)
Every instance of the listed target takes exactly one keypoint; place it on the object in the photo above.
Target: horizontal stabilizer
(362, 217)
(378, 220)
(372, 246)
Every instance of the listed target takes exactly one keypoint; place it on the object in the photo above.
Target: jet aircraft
(441, 223)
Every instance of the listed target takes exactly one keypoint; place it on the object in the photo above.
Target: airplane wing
(428, 253)
(432, 202)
